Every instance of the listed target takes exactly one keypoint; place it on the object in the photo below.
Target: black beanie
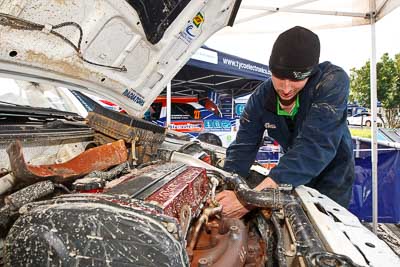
(295, 54)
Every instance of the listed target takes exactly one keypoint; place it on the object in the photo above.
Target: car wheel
(348, 123)
(210, 139)
(368, 123)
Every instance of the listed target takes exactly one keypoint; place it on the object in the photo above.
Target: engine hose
(268, 198)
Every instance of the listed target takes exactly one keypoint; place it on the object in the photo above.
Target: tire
(210, 139)
(348, 123)
(368, 123)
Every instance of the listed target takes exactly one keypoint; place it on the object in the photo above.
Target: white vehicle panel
(343, 233)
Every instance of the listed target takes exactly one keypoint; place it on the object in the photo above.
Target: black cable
(58, 26)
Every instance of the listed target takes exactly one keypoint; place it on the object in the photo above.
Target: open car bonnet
(125, 51)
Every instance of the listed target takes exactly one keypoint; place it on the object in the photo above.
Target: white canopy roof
(267, 16)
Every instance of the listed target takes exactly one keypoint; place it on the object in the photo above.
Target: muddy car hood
(123, 50)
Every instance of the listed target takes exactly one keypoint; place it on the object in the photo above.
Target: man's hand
(231, 205)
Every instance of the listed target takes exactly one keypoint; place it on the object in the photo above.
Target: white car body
(131, 71)
(342, 231)
(363, 119)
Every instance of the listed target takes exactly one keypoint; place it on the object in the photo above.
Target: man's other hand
(231, 205)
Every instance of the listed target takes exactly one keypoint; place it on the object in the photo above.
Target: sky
(345, 47)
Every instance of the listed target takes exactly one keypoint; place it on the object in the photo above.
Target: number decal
(197, 114)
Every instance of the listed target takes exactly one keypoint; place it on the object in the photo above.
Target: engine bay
(137, 196)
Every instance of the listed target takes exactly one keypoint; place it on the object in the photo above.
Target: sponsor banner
(217, 125)
(245, 66)
(209, 61)
(187, 126)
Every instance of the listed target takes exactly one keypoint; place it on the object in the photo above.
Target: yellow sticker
(198, 20)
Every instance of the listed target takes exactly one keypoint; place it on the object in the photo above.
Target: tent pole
(168, 122)
(233, 105)
(374, 143)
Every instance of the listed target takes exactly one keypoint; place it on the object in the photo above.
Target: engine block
(177, 189)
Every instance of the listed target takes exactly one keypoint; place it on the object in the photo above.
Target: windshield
(38, 95)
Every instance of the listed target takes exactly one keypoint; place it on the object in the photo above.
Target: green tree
(388, 91)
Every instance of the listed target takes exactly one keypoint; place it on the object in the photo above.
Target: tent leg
(374, 143)
(168, 121)
(233, 105)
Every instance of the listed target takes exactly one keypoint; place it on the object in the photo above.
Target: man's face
(287, 89)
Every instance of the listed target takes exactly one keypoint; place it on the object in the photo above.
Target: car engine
(135, 196)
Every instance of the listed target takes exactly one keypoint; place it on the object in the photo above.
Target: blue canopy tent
(212, 70)
(210, 73)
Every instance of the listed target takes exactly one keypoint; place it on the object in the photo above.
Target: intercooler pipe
(268, 198)
(24, 196)
(29, 194)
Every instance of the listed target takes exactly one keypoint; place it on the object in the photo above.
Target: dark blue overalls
(317, 142)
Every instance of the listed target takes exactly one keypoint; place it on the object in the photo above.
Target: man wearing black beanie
(303, 107)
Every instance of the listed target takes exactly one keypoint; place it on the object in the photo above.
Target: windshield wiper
(13, 104)
(10, 109)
